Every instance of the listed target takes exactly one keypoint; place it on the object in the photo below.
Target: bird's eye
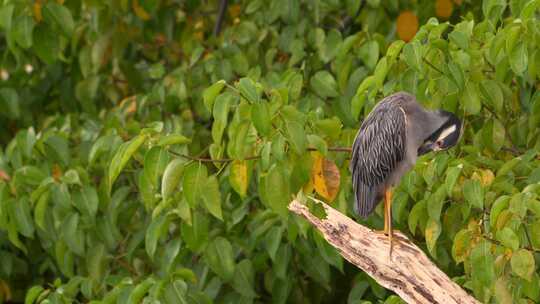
(439, 143)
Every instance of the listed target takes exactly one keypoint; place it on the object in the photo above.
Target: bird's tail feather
(366, 199)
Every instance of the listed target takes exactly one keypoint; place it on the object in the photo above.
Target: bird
(390, 139)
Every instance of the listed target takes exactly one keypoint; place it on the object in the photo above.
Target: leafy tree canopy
(145, 158)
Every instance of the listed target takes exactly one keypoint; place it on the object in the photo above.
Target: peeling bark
(409, 272)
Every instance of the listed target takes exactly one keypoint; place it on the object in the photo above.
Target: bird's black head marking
(445, 137)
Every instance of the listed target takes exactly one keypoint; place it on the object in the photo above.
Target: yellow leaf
(325, 177)
(37, 11)
(486, 177)
(56, 172)
(139, 10)
(235, 10)
(238, 177)
(407, 25)
(444, 8)
(5, 291)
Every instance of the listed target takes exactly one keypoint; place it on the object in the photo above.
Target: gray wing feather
(377, 150)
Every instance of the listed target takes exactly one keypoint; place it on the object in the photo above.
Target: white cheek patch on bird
(446, 132)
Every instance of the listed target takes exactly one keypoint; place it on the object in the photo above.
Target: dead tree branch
(409, 272)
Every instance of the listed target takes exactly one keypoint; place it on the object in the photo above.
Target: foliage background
(111, 111)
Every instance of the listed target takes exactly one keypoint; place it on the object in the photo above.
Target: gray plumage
(386, 146)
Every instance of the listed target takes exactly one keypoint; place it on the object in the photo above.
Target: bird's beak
(425, 148)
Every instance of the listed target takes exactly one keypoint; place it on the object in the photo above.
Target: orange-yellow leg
(388, 231)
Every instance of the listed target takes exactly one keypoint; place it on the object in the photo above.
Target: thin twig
(226, 160)
(500, 244)
(432, 66)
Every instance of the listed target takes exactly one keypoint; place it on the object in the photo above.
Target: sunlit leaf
(523, 264)
(325, 176)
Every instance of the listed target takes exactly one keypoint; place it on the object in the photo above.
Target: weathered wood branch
(409, 272)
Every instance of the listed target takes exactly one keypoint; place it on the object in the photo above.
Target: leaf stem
(432, 66)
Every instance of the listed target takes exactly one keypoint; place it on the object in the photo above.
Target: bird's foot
(391, 239)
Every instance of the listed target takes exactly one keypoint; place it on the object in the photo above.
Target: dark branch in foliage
(349, 21)
(432, 66)
(227, 160)
(221, 14)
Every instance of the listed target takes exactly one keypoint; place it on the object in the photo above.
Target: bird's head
(445, 137)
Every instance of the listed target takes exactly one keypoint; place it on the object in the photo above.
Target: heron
(387, 145)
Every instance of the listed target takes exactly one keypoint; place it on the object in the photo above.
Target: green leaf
(171, 177)
(523, 264)
(155, 161)
(244, 279)
(248, 90)
(122, 156)
(30, 175)
(508, 166)
(324, 84)
(221, 113)
(461, 245)
(433, 230)
(357, 103)
(357, 292)
(195, 176)
(482, 263)
(529, 9)
(260, 115)
(277, 190)
(471, 98)
(318, 143)
(212, 197)
(57, 148)
(519, 58)
(272, 241)
(22, 31)
(458, 78)
(137, 294)
(241, 142)
(87, 201)
(418, 212)
(46, 44)
(369, 53)
(23, 218)
(297, 136)
(412, 55)
(210, 93)
(219, 257)
(452, 174)
(499, 205)
(72, 234)
(508, 238)
(32, 294)
(158, 227)
(41, 209)
(54, 13)
(95, 262)
(436, 202)
(9, 102)
(393, 50)
(6, 15)
(493, 94)
(472, 190)
(173, 139)
(493, 9)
